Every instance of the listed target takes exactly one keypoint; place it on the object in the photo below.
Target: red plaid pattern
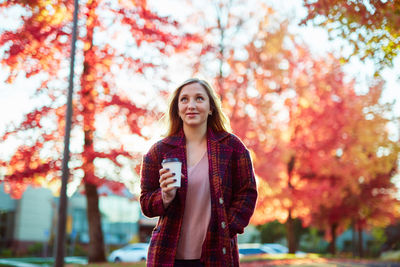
(233, 198)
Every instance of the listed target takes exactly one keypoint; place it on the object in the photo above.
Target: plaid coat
(233, 198)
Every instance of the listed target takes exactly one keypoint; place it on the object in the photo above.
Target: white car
(130, 253)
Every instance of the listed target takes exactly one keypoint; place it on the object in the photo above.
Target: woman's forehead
(193, 89)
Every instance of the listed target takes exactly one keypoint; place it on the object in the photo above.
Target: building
(25, 221)
(33, 220)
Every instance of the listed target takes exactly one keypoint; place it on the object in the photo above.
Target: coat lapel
(219, 156)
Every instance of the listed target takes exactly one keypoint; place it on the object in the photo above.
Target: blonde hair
(217, 120)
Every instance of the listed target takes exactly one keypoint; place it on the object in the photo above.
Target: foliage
(78, 250)
(6, 253)
(272, 232)
(35, 249)
(328, 127)
(371, 27)
(275, 232)
(379, 238)
(313, 241)
(393, 237)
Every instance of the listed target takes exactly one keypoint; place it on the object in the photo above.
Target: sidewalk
(37, 261)
(12, 262)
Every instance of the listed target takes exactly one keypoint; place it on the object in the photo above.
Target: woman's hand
(168, 193)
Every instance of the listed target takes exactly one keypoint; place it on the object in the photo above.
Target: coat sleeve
(150, 196)
(244, 194)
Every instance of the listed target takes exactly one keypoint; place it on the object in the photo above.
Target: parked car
(130, 253)
(248, 249)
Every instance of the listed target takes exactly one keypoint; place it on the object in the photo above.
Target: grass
(246, 259)
(106, 264)
(278, 257)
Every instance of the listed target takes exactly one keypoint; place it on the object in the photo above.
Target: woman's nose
(191, 104)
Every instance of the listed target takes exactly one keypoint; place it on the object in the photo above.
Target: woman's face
(194, 105)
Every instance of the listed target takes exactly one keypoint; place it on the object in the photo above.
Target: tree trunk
(96, 242)
(88, 95)
(290, 222)
(222, 29)
(290, 233)
(354, 240)
(360, 242)
(96, 246)
(332, 245)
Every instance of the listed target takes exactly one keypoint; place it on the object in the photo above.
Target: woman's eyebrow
(196, 94)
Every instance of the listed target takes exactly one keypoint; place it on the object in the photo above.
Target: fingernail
(173, 174)
(167, 169)
(174, 180)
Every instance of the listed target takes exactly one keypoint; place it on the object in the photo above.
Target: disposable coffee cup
(175, 166)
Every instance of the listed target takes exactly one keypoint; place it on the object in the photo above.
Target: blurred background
(311, 87)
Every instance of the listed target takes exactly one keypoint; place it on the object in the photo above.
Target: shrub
(6, 253)
(35, 249)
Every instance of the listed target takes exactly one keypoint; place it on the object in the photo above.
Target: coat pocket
(234, 251)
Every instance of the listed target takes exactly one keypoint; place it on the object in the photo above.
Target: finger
(163, 170)
(170, 189)
(167, 182)
(165, 176)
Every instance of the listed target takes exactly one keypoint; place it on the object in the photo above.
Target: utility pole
(62, 208)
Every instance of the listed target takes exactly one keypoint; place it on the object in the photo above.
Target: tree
(304, 172)
(348, 168)
(117, 40)
(371, 27)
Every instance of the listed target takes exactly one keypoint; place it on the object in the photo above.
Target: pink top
(197, 212)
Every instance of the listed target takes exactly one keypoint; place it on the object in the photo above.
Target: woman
(199, 221)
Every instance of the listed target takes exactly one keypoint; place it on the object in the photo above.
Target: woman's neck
(195, 134)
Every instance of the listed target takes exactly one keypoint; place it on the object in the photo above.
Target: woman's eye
(183, 99)
(200, 98)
